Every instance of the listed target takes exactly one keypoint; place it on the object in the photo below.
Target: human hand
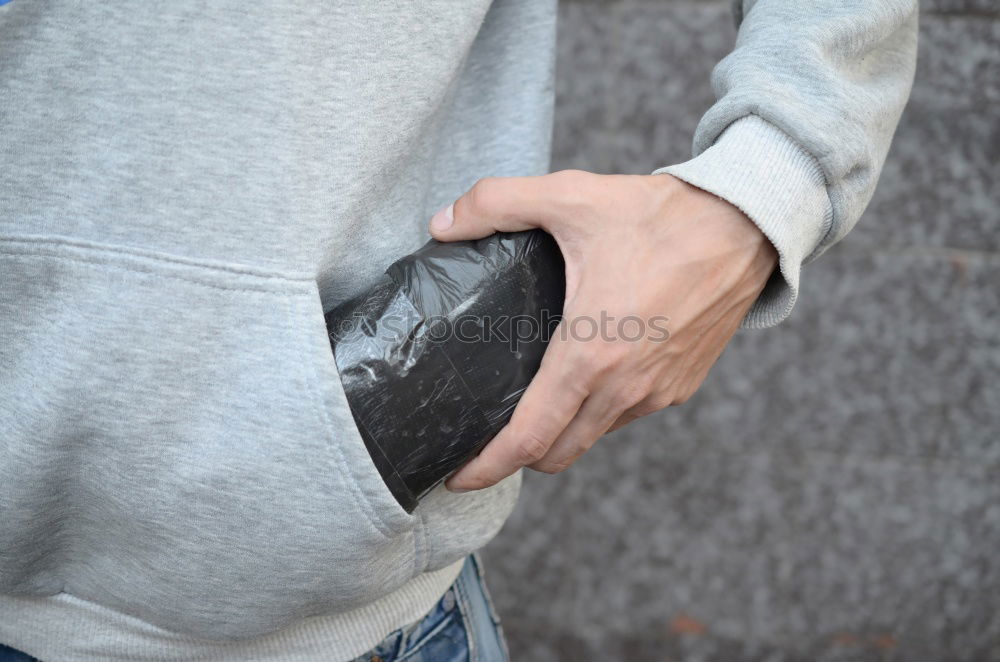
(650, 247)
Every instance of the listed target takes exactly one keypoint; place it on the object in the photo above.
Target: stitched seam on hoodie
(57, 242)
(294, 287)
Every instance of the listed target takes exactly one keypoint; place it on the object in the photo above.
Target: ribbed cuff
(770, 178)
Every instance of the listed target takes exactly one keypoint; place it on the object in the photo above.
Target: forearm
(807, 104)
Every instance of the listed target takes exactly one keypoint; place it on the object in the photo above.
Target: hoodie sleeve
(807, 104)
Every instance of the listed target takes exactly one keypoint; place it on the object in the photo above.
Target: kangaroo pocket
(176, 445)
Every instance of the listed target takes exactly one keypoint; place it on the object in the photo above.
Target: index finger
(548, 405)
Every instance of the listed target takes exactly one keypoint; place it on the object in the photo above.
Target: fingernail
(444, 218)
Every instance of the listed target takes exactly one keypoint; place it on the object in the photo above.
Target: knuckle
(552, 468)
(582, 370)
(661, 402)
(565, 459)
(653, 404)
(626, 399)
(634, 393)
(592, 370)
(481, 196)
(609, 360)
(620, 399)
(600, 354)
(531, 449)
(683, 396)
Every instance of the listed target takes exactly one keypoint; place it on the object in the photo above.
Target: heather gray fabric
(808, 102)
(186, 187)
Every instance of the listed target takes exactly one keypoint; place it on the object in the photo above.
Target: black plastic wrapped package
(434, 357)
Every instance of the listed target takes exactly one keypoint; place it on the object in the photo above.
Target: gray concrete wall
(833, 491)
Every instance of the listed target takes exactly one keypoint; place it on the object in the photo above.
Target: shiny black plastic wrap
(435, 355)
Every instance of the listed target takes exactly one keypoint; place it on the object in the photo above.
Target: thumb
(498, 204)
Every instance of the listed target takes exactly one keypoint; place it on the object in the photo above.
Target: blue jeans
(462, 627)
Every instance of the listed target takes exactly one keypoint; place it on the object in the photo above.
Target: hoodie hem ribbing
(69, 629)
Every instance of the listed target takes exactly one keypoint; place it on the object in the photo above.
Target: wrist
(722, 226)
(781, 187)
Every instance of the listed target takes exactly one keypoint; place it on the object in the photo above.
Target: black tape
(435, 356)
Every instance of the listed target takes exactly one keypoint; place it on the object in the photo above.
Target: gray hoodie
(185, 189)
